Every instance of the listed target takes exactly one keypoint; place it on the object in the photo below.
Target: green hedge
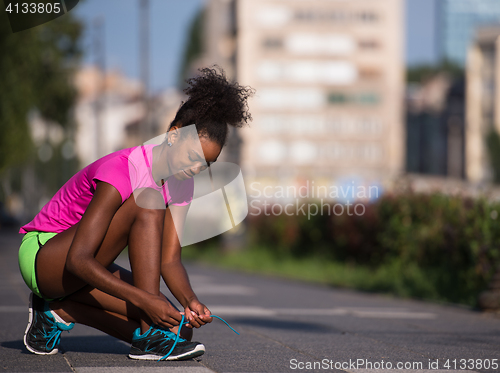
(426, 246)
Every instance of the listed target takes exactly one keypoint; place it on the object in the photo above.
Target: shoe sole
(198, 351)
(30, 321)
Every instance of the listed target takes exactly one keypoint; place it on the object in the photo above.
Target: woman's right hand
(161, 312)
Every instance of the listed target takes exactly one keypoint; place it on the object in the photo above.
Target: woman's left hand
(197, 313)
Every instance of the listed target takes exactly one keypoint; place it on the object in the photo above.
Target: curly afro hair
(213, 104)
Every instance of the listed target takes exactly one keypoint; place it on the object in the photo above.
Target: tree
(194, 47)
(420, 73)
(493, 146)
(36, 68)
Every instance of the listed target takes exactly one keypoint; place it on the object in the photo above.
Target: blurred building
(106, 104)
(110, 113)
(220, 36)
(456, 22)
(483, 101)
(435, 130)
(163, 108)
(329, 81)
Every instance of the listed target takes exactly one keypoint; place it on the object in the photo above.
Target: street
(285, 326)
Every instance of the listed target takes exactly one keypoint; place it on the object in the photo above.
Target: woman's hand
(197, 313)
(161, 312)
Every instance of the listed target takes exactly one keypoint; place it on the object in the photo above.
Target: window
(274, 16)
(320, 44)
(274, 98)
(308, 72)
(368, 17)
(336, 98)
(303, 152)
(272, 43)
(367, 98)
(272, 152)
(310, 125)
(368, 44)
(368, 73)
(335, 16)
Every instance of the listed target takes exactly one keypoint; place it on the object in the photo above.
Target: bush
(429, 246)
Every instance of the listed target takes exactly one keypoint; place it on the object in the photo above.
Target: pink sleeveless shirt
(126, 170)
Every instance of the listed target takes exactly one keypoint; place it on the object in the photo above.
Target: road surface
(285, 326)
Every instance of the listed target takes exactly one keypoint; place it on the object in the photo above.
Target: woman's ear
(173, 135)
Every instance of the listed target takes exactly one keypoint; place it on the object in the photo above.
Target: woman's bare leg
(113, 324)
(113, 316)
(94, 308)
(142, 230)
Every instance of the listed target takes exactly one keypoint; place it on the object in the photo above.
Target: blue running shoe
(43, 333)
(160, 344)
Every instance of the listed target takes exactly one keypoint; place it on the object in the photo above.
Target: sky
(170, 20)
(169, 23)
(420, 31)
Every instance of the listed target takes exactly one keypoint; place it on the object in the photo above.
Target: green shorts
(32, 242)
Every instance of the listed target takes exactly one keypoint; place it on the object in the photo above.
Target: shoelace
(177, 337)
(55, 338)
(55, 333)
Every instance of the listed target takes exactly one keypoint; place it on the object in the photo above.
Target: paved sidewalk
(285, 327)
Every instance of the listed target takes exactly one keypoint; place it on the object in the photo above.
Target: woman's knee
(150, 217)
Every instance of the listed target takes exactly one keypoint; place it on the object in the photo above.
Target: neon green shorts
(32, 242)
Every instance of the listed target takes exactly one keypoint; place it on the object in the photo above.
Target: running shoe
(43, 332)
(161, 344)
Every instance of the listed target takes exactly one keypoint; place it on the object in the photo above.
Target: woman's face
(185, 155)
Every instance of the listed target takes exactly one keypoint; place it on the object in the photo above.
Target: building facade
(457, 20)
(483, 102)
(329, 77)
(435, 117)
(110, 113)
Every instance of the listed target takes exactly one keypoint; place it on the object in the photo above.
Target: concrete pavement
(285, 326)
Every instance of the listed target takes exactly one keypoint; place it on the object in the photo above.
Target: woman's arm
(173, 272)
(81, 257)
